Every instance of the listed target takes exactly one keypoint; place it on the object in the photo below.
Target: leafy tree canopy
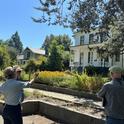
(63, 40)
(81, 15)
(4, 56)
(85, 15)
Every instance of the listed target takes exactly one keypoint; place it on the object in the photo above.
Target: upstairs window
(117, 57)
(91, 36)
(81, 58)
(72, 55)
(81, 40)
(90, 57)
(28, 55)
(103, 36)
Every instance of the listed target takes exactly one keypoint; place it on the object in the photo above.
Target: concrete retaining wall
(67, 116)
(65, 91)
(57, 113)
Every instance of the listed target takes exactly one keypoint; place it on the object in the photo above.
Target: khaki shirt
(113, 93)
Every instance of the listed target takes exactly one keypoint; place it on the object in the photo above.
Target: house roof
(37, 51)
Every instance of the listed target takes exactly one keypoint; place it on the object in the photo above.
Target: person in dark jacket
(112, 94)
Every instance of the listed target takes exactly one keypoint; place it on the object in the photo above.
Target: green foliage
(1, 76)
(42, 63)
(79, 14)
(63, 40)
(15, 42)
(4, 57)
(12, 53)
(34, 94)
(74, 81)
(24, 76)
(62, 43)
(87, 15)
(31, 66)
(92, 70)
(55, 58)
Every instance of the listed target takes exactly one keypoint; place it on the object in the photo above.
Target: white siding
(78, 49)
(86, 39)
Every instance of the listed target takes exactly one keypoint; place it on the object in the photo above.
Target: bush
(89, 84)
(91, 70)
(81, 82)
(53, 78)
(1, 76)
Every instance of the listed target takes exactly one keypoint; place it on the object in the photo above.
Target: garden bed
(85, 107)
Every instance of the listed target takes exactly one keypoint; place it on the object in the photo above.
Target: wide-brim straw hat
(17, 68)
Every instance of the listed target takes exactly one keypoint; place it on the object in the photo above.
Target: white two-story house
(84, 52)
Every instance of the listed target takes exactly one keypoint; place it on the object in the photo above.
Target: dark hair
(9, 73)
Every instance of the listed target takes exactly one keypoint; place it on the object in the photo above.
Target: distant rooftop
(37, 51)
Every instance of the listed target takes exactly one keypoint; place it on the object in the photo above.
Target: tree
(55, 59)
(81, 15)
(15, 42)
(63, 43)
(121, 4)
(47, 42)
(63, 40)
(86, 15)
(4, 57)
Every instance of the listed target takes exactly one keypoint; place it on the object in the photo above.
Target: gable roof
(37, 51)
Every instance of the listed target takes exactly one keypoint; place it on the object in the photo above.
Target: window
(81, 58)
(106, 59)
(81, 40)
(91, 38)
(72, 55)
(103, 36)
(90, 57)
(96, 38)
(117, 57)
(28, 54)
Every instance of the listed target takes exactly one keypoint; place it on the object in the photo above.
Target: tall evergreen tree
(55, 59)
(63, 40)
(15, 42)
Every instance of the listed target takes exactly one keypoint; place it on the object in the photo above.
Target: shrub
(52, 77)
(74, 81)
(1, 76)
(87, 83)
(91, 70)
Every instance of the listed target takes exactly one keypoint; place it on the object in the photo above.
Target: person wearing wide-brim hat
(17, 69)
(12, 90)
(112, 94)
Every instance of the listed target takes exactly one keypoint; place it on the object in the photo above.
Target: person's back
(12, 90)
(112, 94)
(114, 105)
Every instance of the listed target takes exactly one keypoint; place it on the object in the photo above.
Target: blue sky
(15, 15)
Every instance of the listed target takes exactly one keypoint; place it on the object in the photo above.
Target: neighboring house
(85, 51)
(29, 53)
